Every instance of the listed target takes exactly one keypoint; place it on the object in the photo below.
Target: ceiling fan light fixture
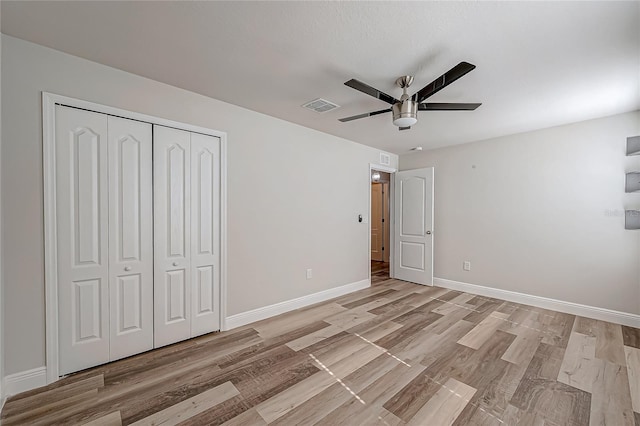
(405, 109)
(405, 113)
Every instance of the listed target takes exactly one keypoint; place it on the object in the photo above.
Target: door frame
(392, 171)
(49, 102)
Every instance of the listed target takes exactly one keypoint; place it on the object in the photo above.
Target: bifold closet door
(172, 226)
(205, 234)
(186, 234)
(130, 237)
(82, 238)
(104, 238)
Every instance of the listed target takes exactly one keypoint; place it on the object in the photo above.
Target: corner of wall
(2, 384)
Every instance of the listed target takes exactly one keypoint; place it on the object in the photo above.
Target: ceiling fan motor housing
(405, 113)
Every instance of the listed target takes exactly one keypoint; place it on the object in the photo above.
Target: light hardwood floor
(393, 354)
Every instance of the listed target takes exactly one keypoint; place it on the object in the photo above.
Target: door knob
(428, 232)
(127, 268)
(175, 263)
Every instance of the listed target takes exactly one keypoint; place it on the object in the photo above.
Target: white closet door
(172, 229)
(82, 238)
(205, 234)
(130, 237)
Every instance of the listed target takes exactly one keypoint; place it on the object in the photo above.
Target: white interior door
(172, 232)
(130, 237)
(205, 234)
(82, 238)
(377, 227)
(413, 259)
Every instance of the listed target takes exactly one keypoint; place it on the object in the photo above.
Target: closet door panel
(130, 237)
(205, 238)
(172, 235)
(82, 238)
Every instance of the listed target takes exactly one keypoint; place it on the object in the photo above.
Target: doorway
(380, 226)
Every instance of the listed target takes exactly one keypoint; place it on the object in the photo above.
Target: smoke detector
(320, 105)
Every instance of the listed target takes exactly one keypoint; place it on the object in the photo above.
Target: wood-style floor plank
(408, 401)
(445, 406)
(633, 370)
(609, 342)
(221, 413)
(313, 338)
(190, 407)
(363, 301)
(631, 336)
(356, 411)
(393, 354)
(480, 333)
(51, 412)
(579, 366)
(280, 404)
(52, 396)
(611, 399)
(523, 347)
(539, 393)
(516, 417)
(247, 418)
(112, 419)
(292, 320)
(380, 331)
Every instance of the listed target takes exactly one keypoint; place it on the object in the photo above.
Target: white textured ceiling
(539, 64)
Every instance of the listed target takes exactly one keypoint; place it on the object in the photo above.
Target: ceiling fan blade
(366, 114)
(404, 128)
(365, 88)
(444, 80)
(447, 107)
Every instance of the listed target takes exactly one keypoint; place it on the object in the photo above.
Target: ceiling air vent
(320, 105)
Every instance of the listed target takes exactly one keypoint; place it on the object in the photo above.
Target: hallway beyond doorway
(379, 272)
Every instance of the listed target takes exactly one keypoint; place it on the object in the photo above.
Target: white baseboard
(624, 318)
(265, 312)
(24, 381)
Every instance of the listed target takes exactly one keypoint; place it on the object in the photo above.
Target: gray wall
(294, 194)
(540, 213)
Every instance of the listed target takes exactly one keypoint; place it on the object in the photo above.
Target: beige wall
(540, 213)
(285, 212)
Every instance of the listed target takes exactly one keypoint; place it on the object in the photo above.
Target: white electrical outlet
(309, 274)
(466, 265)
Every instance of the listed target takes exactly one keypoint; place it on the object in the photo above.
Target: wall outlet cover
(466, 265)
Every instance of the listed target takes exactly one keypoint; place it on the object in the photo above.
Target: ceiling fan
(405, 110)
